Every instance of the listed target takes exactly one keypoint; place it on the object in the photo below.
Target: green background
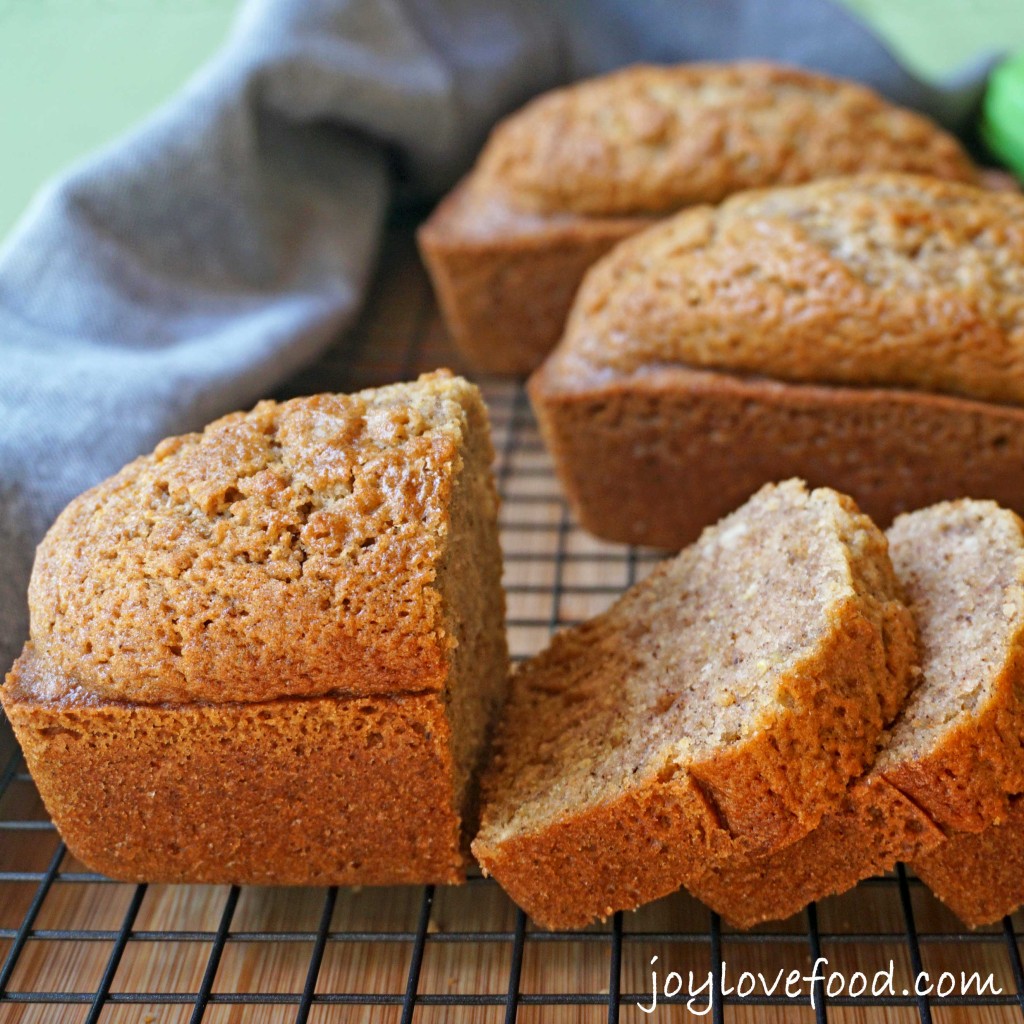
(76, 73)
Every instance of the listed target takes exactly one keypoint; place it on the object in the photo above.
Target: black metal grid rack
(77, 947)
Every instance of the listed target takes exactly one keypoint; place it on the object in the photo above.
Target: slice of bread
(980, 875)
(958, 748)
(954, 754)
(722, 705)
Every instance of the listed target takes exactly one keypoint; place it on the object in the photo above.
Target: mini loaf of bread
(722, 705)
(866, 333)
(954, 755)
(271, 652)
(581, 168)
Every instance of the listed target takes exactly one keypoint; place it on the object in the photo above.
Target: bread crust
(979, 875)
(881, 279)
(967, 782)
(654, 457)
(505, 281)
(612, 856)
(241, 564)
(304, 791)
(650, 139)
(872, 828)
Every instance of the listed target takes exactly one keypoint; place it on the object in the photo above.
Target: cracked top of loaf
(649, 140)
(294, 550)
(881, 280)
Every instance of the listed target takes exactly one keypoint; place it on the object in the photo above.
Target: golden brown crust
(875, 280)
(966, 783)
(609, 857)
(309, 791)
(979, 875)
(576, 171)
(649, 140)
(872, 828)
(243, 563)
(654, 457)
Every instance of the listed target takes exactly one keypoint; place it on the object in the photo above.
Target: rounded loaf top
(649, 140)
(883, 280)
(292, 550)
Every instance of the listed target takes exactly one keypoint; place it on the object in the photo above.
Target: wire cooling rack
(77, 947)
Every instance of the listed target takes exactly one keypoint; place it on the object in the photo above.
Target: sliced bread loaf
(723, 704)
(271, 653)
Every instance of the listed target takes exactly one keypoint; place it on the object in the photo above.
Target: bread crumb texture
(648, 140)
(891, 280)
(289, 551)
(723, 703)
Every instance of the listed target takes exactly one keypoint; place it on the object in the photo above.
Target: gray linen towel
(192, 266)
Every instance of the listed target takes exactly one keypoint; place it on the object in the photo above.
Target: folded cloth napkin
(192, 266)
